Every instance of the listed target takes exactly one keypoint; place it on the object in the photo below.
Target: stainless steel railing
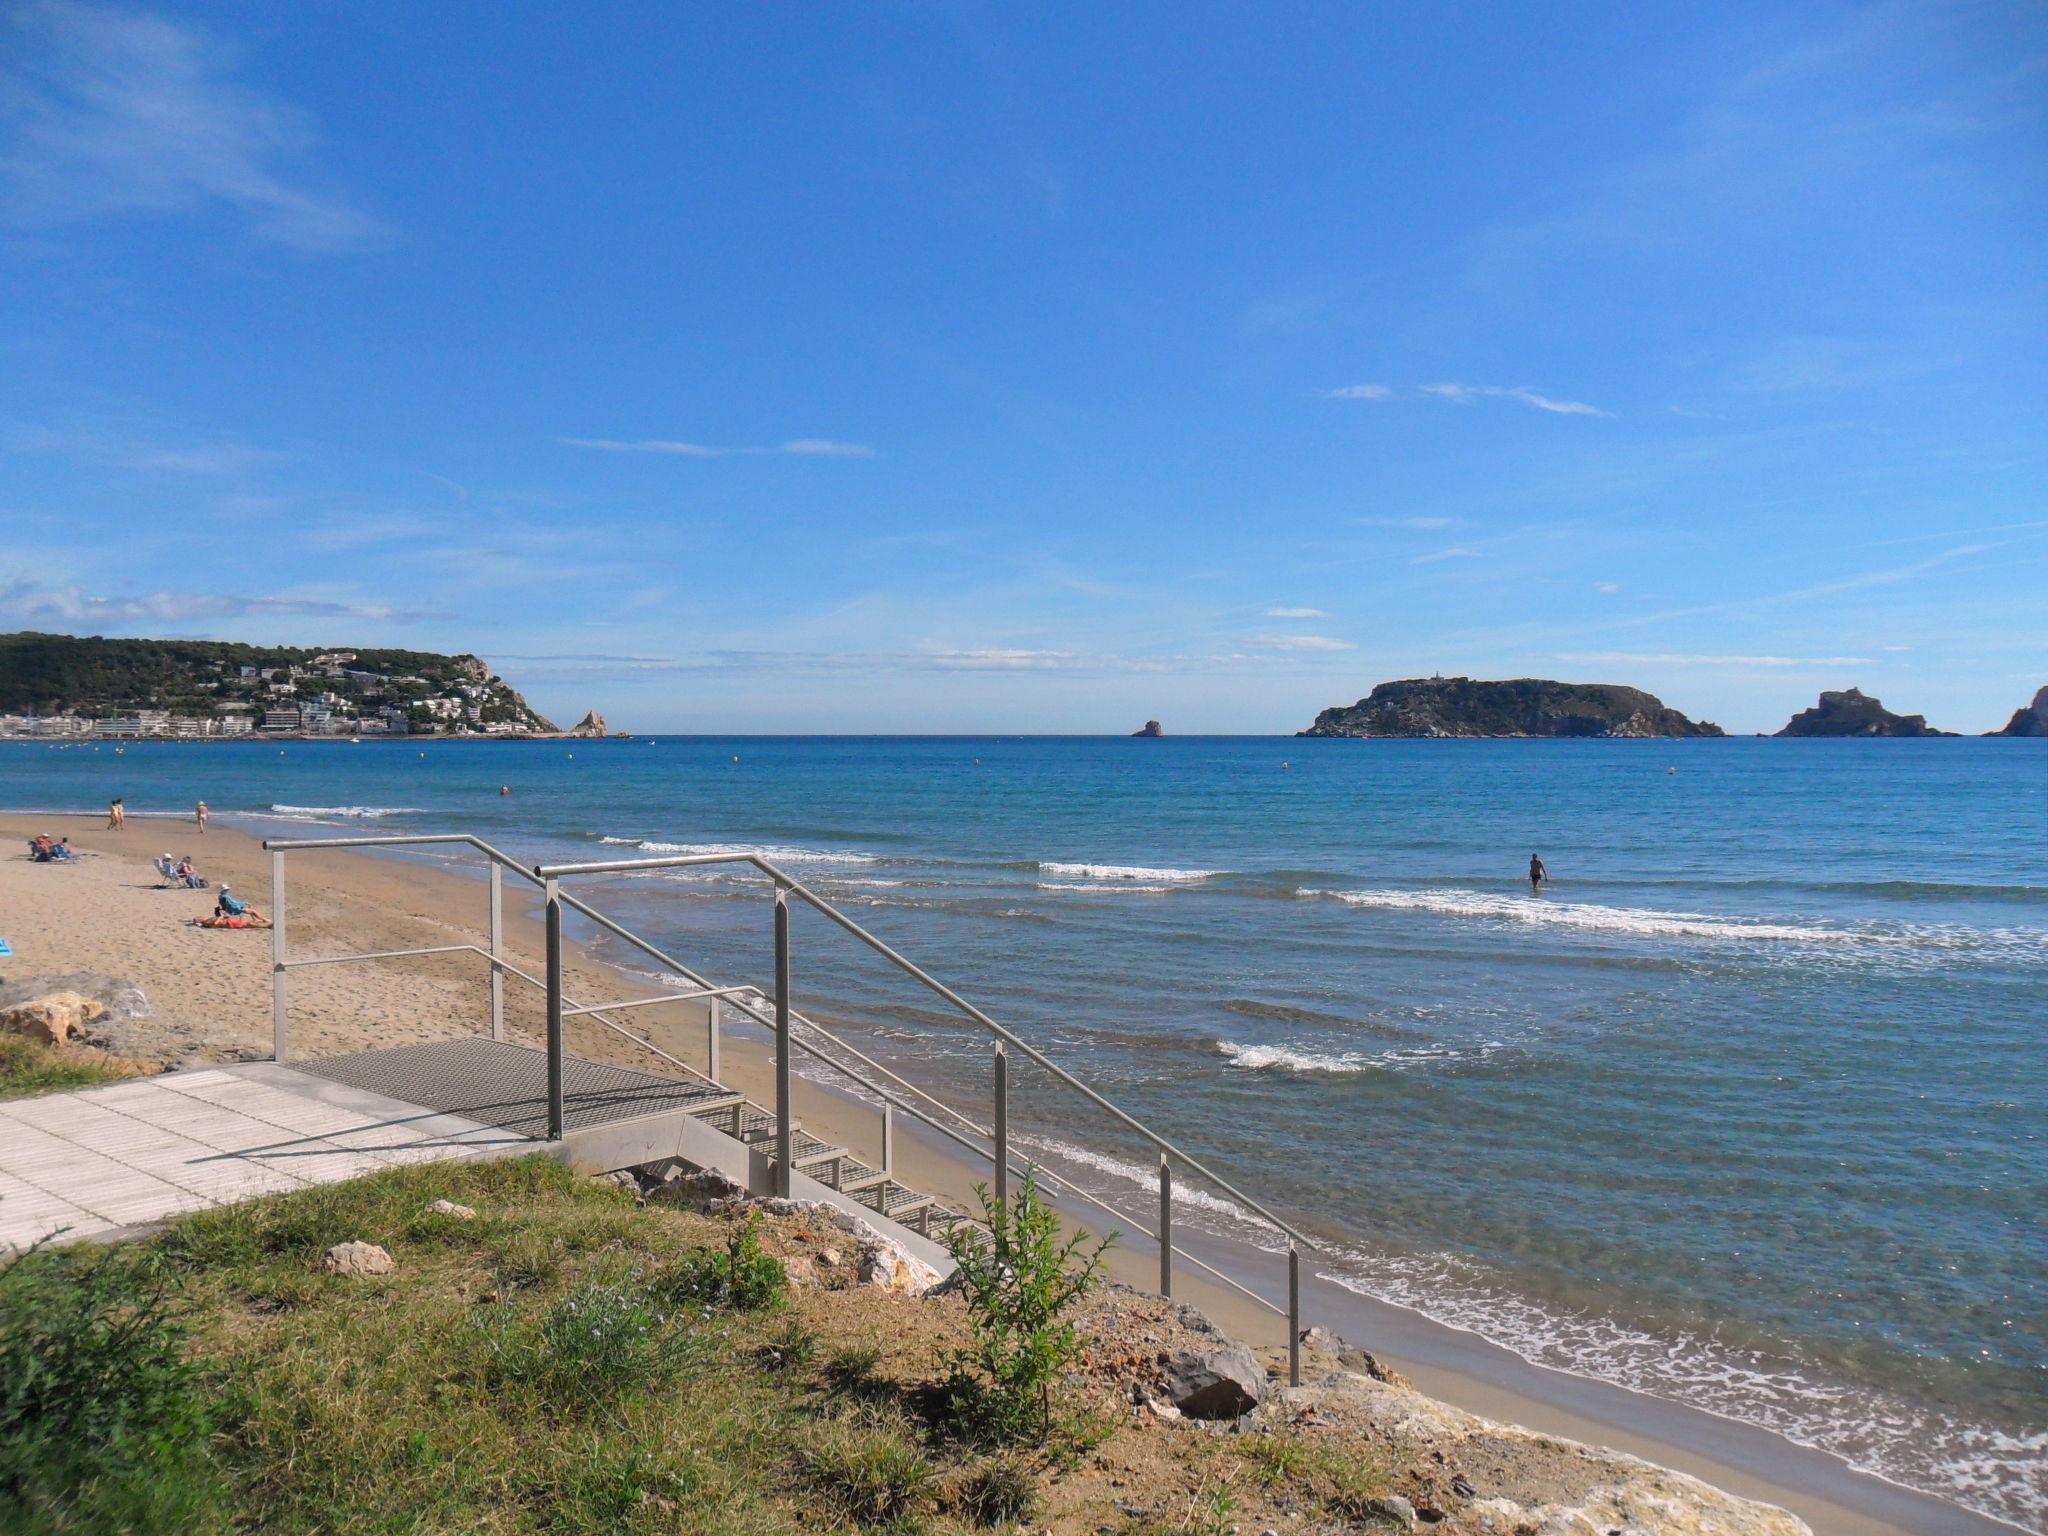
(777, 1015)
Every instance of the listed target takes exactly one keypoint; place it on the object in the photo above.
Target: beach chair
(167, 871)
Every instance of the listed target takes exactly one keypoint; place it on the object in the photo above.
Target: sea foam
(348, 812)
(1125, 872)
(1594, 917)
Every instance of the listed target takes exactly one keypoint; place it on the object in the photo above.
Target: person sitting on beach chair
(188, 875)
(167, 871)
(39, 848)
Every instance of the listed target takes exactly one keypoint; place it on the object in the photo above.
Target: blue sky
(1040, 368)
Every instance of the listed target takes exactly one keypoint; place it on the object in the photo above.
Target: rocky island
(2032, 720)
(1528, 706)
(1150, 728)
(1853, 712)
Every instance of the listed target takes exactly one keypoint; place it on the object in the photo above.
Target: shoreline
(381, 902)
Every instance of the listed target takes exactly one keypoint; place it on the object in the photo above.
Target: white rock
(890, 1266)
(450, 1208)
(358, 1258)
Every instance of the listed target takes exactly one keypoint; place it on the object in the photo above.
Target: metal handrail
(547, 877)
(787, 883)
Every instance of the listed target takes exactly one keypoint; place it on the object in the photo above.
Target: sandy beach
(211, 1001)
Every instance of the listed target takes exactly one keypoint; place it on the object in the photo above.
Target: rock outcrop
(1853, 712)
(1218, 1381)
(52, 1020)
(591, 724)
(2030, 721)
(1150, 728)
(1459, 706)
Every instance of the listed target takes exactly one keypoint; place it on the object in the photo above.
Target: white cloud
(799, 447)
(25, 602)
(1667, 659)
(1895, 647)
(1360, 392)
(1296, 613)
(1465, 394)
(1609, 587)
(1417, 523)
(1301, 643)
(115, 112)
(826, 448)
(225, 459)
(1455, 552)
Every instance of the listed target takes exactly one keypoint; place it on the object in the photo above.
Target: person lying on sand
(249, 917)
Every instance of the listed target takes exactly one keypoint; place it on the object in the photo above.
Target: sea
(1747, 1110)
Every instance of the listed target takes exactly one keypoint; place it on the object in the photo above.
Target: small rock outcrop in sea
(1528, 706)
(591, 724)
(2030, 721)
(1853, 712)
(1150, 728)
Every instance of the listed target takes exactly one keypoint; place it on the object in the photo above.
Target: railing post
(277, 955)
(1002, 1125)
(1293, 1316)
(554, 926)
(889, 1138)
(1165, 1226)
(785, 1129)
(497, 951)
(711, 1022)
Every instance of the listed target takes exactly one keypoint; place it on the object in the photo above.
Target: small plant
(602, 1339)
(850, 1368)
(1210, 1516)
(791, 1348)
(1000, 1492)
(873, 1477)
(1020, 1279)
(1275, 1459)
(743, 1277)
(1356, 1491)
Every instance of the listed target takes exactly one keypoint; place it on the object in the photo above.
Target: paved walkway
(137, 1152)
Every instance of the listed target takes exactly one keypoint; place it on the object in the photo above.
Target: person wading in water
(1537, 874)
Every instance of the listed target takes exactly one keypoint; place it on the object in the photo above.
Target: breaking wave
(346, 812)
(774, 853)
(1125, 872)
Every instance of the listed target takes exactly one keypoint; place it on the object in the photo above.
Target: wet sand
(211, 998)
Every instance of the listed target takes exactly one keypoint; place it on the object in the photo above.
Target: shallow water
(1747, 1110)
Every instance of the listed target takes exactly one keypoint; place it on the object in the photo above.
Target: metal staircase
(612, 1109)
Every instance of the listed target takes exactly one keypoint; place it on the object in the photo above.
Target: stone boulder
(52, 1019)
(696, 1189)
(357, 1258)
(889, 1266)
(451, 1210)
(1218, 1381)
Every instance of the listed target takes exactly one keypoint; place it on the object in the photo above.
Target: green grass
(28, 1068)
(564, 1363)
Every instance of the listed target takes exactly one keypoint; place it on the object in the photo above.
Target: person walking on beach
(117, 815)
(1537, 874)
(199, 815)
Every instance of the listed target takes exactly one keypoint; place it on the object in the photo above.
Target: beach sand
(210, 993)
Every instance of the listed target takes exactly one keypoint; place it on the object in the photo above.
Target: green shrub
(791, 1347)
(851, 1367)
(28, 1068)
(103, 1422)
(1020, 1279)
(743, 1277)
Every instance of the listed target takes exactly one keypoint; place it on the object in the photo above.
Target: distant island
(1853, 712)
(1149, 728)
(1461, 707)
(2030, 720)
(70, 685)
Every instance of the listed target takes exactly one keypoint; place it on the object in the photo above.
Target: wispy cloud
(1665, 658)
(1296, 613)
(1608, 587)
(26, 602)
(1301, 643)
(115, 112)
(218, 458)
(1360, 392)
(798, 447)
(1419, 524)
(1455, 552)
(1465, 394)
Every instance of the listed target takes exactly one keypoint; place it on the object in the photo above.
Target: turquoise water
(1748, 1110)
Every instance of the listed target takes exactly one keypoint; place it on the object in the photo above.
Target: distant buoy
(1671, 770)
(570, 755)
(1286, 765)
(735, 757)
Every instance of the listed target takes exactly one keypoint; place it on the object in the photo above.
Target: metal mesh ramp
(498, 1083)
